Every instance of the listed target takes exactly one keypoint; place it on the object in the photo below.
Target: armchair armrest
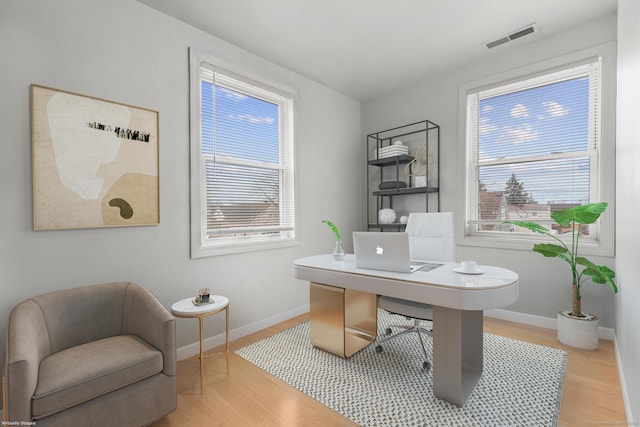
(4, 388)
(147, 318)
(27, 344)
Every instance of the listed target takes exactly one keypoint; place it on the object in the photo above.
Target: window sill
(525, 243)
(209, 250)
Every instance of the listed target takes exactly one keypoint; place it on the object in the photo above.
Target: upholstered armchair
(96, 355)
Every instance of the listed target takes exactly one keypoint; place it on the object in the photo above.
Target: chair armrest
(27, 344)
(147, 318)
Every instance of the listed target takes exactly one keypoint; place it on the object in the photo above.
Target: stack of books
(391, 150)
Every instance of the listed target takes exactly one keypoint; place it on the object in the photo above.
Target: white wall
(628, 202)
(123, 51)
(543, 291)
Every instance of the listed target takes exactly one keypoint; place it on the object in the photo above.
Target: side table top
(186, 307)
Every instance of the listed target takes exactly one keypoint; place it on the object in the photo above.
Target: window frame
(602, 242)
(201, 246)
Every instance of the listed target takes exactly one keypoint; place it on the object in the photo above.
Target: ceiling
(367, 48)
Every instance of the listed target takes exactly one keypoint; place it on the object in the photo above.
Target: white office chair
(431, 238)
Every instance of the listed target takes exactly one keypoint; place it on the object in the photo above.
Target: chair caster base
(425, 365)
(378, 349)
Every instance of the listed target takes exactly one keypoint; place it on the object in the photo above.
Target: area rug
(521, 384)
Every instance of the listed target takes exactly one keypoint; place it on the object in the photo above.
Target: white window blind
(533, 147)
(246, 160)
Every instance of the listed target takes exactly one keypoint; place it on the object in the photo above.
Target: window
(242, 181)
(534, 145)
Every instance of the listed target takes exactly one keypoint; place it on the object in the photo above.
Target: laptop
(384, 251)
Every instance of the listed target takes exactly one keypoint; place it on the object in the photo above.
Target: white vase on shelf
(386, 216)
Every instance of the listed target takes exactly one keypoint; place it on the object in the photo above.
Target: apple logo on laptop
(379, 250)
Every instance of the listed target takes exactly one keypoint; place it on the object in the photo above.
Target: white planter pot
(577, 332)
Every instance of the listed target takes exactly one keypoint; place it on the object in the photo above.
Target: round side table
(186, 308)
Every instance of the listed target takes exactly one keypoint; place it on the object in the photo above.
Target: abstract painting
(95, 162)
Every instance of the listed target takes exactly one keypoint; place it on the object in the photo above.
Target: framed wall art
(95, 162)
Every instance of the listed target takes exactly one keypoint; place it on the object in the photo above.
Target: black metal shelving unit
(424, 133)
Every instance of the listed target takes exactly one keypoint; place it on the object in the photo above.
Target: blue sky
(533, 122)
(246, 127)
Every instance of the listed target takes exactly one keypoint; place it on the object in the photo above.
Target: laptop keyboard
(424, 266)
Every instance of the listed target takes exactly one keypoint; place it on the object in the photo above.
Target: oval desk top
(495, 287)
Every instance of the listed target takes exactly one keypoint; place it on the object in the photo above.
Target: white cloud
(519, 110)
(251, 119)
(485, 126)
(229, 94)
(518, 134)
(554, 109)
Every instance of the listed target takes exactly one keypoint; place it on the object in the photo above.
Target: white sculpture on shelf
(386, 216)
(423, 168)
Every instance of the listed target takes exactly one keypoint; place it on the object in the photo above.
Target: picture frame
(95, 163)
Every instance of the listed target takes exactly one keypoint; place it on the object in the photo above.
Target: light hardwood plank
(251, 397)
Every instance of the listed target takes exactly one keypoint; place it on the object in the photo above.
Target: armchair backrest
(431, 236)
(81, 315)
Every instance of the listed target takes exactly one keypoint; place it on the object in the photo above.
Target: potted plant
(575, 328)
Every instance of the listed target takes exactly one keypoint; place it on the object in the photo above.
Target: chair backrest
(79, 315)
(431, 236)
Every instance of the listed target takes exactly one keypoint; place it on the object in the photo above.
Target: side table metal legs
(200, 320)
(202, 356)
(226, 341)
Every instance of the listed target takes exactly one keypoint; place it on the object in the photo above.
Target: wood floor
(251, 397)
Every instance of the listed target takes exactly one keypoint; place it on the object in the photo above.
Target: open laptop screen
(382, 251)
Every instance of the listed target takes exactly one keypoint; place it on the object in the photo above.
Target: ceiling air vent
(530, 29)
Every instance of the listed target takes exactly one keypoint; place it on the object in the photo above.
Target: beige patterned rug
(521, 384)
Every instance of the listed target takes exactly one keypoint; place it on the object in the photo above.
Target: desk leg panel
(326, 323)
(342, 321)
(360, 320)
(457, 353)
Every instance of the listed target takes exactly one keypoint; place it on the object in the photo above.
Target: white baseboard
(623, 386)
(513, 316)
(217, 340)
(540, 321)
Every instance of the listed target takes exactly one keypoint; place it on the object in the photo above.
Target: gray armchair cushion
(87, 371)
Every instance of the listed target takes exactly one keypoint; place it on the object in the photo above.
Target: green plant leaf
(583, 214)
(333, 228)
(533, 226)
(601, 274)
(549, 249)
(583, 261)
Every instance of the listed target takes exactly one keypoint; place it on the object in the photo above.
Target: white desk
(458, 301)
